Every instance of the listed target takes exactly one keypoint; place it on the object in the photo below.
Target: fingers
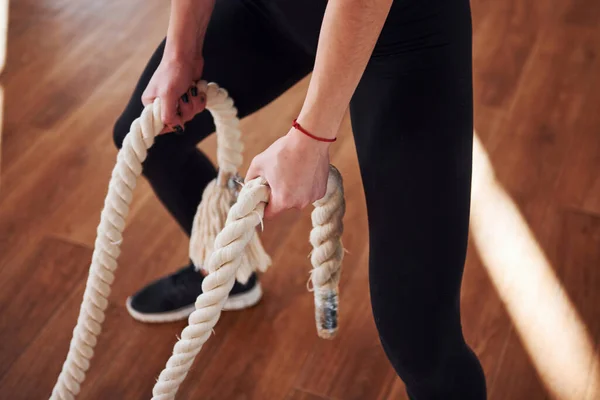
(186, 107)
(198, 99)
(254, 170)
(192, 103)
(282, 197)
(147, 98)
(280, 201)
(149, 93)
(169, 112)
(275, 206)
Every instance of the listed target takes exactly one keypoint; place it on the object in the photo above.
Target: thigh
(245, 52)
(412, 120)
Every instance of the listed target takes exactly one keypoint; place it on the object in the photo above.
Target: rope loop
(230, 247)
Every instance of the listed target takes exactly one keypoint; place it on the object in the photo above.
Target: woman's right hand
(174, 82)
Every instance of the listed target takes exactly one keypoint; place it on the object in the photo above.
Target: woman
(404, 69)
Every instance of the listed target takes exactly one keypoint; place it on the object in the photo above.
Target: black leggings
(412, 121)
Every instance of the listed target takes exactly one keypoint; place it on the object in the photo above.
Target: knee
(418, 343)
(435, 365)
(416, 359)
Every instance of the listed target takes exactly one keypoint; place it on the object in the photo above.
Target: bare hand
(296, 168)
(174, 83)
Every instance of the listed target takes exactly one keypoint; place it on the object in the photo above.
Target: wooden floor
(71, 67)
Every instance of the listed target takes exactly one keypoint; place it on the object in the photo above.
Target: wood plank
(486, 324)
(582, 13)
(578, 241)
(503, 41)
(41, 363)
(397, 391)
(517, 377)
(530, 280)
(300, 395)
(578, 271)
(70, 71)
(33, 293)
(548, 104)
(73, 73)
(58, 198)
(579, 184)
(32, 195)
(125, 344)
(517, 373)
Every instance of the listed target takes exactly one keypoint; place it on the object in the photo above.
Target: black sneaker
(172, 298)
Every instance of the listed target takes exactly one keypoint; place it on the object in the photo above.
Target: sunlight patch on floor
(548, 324)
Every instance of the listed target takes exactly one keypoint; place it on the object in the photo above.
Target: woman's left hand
(296, 168)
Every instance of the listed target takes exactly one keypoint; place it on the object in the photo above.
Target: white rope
(229, 143)
(220, 194)
(223, 263)
(106, 251)
(222, 266)
(328, 252)
(237, 249)
(112, 222)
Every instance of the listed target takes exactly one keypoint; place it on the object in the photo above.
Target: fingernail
(202, 98)
(185, 98)
(178, 130)
(194, 91)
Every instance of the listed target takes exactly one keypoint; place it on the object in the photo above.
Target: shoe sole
(234, 302)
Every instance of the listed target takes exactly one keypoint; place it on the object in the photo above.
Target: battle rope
(229, 252)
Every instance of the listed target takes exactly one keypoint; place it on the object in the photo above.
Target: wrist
(320, 123)
(300, 142)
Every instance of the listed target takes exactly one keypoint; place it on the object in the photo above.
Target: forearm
(187, 27)
(348, 35)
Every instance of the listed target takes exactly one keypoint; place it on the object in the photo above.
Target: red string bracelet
(296, 125)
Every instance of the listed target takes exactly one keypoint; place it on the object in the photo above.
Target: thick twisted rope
(106, 250)
(230, 146)
(222, 266)
(327, 254)
(226, 257)
(112, 222)
(221, 193)
(235, 246)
